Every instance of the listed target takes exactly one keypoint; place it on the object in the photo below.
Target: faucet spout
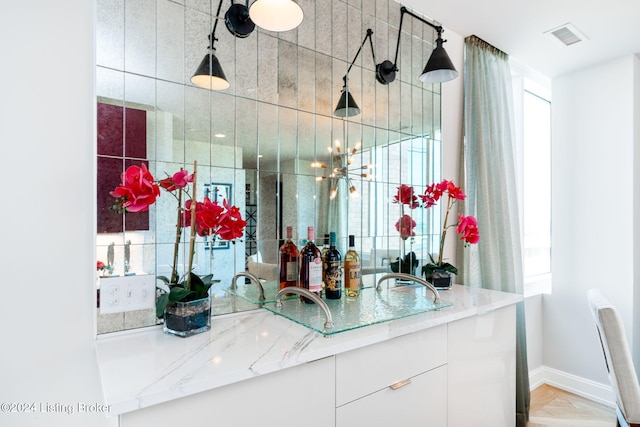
(328, 324)
(405, 276)
(252, 278)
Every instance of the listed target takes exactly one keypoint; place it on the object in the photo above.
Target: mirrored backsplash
(264, 143)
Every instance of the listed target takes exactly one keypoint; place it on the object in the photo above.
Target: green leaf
(428, 269)
(178, 293)
(200, 286)
(450, 268)
(164, 279)
(196, 280)
(207, 279)
(161, 303)
(197, 285)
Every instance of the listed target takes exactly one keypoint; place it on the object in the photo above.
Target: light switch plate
(127, 293)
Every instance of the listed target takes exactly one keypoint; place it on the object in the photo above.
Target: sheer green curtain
(489, 178)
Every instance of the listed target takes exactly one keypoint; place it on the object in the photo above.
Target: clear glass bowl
(369, 308)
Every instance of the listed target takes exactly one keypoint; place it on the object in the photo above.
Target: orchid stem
(444, 230)
(176, 247)
(192, 239)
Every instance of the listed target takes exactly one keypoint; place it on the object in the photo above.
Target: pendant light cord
(404, 10)
(368, 36)
(212, 36)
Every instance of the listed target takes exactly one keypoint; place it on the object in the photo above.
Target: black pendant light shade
(238, 21)
(209, 74)
(347, 106)
(439, 67)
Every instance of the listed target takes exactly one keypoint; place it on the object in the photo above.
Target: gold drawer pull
(400, 384)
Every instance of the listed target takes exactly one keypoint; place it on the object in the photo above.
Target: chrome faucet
(409, 277)
(253, 279)
(328, 324)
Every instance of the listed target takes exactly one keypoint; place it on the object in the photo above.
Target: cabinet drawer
(369, 369)
(421, 402)
(298, 396)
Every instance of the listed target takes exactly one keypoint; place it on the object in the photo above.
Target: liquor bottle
(288, 261)
(332, 270)
(352, 275)
(310, 267)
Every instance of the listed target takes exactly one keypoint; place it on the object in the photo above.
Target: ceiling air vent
(567, 34)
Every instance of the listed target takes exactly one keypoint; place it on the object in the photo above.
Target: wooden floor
(551, 406)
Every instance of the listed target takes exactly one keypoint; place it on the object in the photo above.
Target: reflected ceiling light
(209, 74)
(439, 67)
(347, 106)
(341, 169)
(276, 15)
(219, 135)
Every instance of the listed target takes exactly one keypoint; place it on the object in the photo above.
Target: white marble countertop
(147, 367)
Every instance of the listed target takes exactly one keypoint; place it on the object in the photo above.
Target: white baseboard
(598, 392)
(536, 378)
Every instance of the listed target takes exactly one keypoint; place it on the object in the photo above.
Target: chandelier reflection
(341, 169)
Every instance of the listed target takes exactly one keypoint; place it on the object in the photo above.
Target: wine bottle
(352, 274)
(332, 270)
(288, 261)
(325, 247)
(310, 267)
(323, 253)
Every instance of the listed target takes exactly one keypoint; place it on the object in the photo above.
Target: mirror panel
(260, 143)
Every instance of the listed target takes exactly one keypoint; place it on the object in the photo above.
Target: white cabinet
(300, 396)
(482, 369)
(420, 402)
(457, 374)
(400, 382)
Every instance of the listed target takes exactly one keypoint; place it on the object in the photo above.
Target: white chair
(262, 270)
(617, 355)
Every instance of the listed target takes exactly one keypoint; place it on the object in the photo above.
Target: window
(372, 215)
(536, 126)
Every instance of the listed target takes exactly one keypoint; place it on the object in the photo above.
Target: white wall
(48, 265)
(592, 213)
(593, 134)
(48, 157)
(452, 125)
(636, 197)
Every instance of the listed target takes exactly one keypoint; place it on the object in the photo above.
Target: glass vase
(440, 279)
(188, 318)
